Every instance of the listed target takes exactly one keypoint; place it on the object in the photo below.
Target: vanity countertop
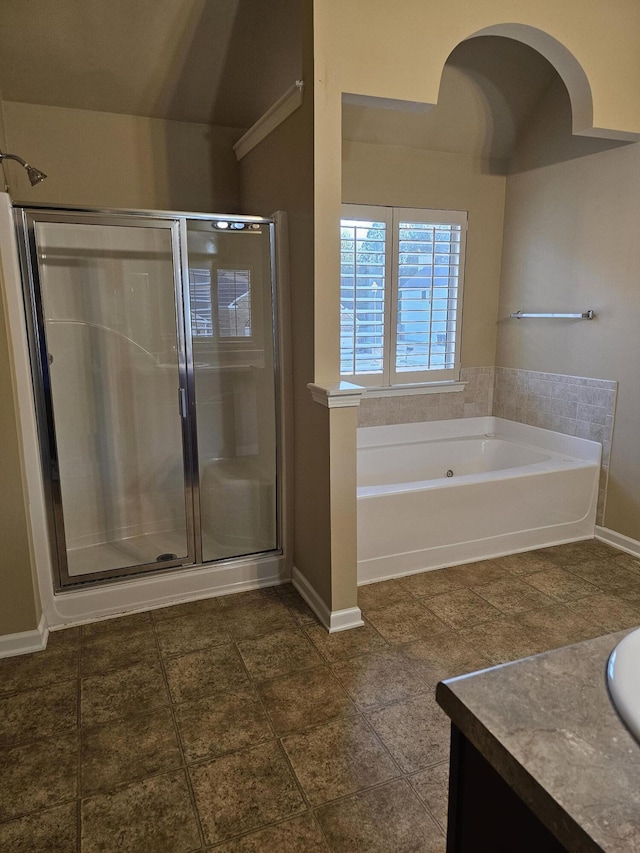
(547, 725)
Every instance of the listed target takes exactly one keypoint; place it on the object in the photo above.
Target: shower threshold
(148, 548)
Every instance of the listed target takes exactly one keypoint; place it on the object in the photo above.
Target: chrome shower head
(35, 175)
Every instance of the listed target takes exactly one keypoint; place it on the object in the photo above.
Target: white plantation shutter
(401, 294)
(365, 259)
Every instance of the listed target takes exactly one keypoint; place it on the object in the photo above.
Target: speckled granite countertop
(547, 725)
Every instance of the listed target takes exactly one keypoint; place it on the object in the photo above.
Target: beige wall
(376, 52)
(278, 174)
(570, 244)
(410, 177)
(112, 160)
(19, 610)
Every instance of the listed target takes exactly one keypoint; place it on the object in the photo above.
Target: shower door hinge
(182, 396)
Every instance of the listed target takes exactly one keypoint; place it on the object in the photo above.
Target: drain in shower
(163, 558)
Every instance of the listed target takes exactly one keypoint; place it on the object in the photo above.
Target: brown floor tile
(575, 552)
(388, 819)
(304, 699)
(563, 555)
(39, 713)
(589, 549)
(432, 786)
(337, 759)
(190, 632)
(187, 608)
(504, 639)
(525, 563)
(154, 815)
(310, 685)
(610, 612)
(52, 831)
(252, 596)
(607, 575)
(222, 723)
(128, 749)
(416, 732)
(345, 644)
(244, 791)
(204, 673)
(628, 561)
(64, 638)
(38, 775)
(630, 593)
(434, 582)
(462, 608)
(513, 596)
(104, 652)
(406, 621)
(444, 656)
(58, 662)
(561, 585)
(122, 692)
(278, 653)
(483, 571)
(558, 626)
(298, 835)
(258, 618)
(373, 596)
(380, 679)
(297, 606)
(117, 625)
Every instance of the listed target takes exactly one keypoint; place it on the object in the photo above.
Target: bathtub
(446, 492)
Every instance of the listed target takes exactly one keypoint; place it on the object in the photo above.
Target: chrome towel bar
(586, 315)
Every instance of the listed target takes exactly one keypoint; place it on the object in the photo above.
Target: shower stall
(153, 348)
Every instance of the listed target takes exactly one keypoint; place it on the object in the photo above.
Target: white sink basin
(623, 677)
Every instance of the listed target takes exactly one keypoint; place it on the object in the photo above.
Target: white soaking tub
(446, 492)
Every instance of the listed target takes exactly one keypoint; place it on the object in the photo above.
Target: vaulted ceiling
(213, 61)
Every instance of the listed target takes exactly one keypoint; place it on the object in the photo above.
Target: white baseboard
(25, 642)
(618, 540)
(333, 620)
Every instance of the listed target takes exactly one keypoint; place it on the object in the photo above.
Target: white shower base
(137, 550)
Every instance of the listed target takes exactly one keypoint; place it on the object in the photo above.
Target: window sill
(416, 388)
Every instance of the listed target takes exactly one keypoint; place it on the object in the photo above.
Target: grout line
(176, 730)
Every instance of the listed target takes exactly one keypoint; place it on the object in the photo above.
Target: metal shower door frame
(191, 380)
(26, 219)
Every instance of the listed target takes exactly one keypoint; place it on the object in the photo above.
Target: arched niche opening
(492, 84)
(503, 108)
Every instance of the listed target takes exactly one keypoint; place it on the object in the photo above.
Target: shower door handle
(182, 402)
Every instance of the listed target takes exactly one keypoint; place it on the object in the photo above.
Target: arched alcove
(565, 64)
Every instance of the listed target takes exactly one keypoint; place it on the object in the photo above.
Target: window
(401, 278)
(234, 303)
(231, 301)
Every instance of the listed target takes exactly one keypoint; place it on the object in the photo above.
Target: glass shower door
(115, 391)
(232, 342)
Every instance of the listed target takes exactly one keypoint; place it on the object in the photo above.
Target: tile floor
(239, 724)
